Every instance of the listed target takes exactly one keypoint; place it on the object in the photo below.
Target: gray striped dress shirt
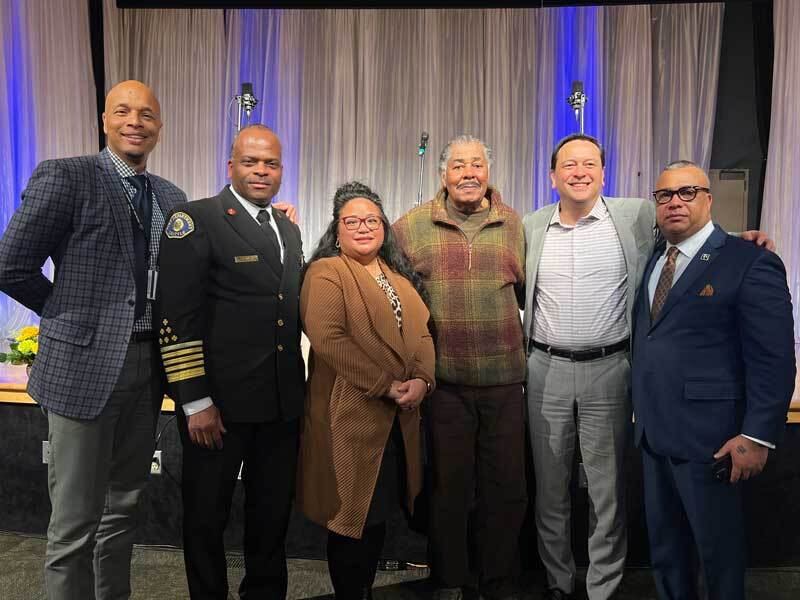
(582, 284)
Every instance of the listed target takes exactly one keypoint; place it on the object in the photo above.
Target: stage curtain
(181, 54)
(780, 211)
(628, 67)
(350, 91)
(686, 44)
(47, 103)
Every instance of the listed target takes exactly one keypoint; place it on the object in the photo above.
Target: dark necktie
(263, 219)
(142, 220)
(664, 283)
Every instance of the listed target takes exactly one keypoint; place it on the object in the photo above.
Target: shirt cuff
(760, 442)
(195, 406)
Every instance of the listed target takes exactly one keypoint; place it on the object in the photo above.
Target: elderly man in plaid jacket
(469, 248)
(97, 373)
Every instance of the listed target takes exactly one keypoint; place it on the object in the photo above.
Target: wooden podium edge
(14, 393)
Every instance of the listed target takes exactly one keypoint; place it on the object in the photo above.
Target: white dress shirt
(686, 252)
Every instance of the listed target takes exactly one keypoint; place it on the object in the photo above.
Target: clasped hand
(408, 394)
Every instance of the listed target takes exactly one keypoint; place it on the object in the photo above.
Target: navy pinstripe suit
(75, 211)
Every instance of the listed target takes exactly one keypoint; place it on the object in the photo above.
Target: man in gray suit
(585, 258)
(97, 374)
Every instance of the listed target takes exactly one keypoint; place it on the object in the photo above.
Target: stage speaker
(729, 190)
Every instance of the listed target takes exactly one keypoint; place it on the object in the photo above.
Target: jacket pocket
(68, 331)
(713, 390)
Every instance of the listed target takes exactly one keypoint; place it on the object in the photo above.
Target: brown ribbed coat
(357, 350)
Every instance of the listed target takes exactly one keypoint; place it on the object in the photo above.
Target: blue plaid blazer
(75, 211)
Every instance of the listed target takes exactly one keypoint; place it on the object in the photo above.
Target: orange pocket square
(708, 290)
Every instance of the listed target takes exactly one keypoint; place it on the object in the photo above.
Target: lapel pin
(231, 211)
(705, 257)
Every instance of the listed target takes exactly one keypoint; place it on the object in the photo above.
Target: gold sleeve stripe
(184, 366)
(182, 345)
(176, 353)
(183, 375)
(183, 359)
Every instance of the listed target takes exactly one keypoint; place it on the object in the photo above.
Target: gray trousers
(96, 473)
(589, 400)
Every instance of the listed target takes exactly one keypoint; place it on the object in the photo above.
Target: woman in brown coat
(371, 364)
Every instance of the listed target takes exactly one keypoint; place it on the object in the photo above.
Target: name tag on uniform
(246, 259)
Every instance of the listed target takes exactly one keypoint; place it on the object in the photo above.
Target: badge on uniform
(705, 256)
(180, 225)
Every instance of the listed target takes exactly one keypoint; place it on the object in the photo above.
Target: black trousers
(477, 439)
(269, 452)
(352, 563)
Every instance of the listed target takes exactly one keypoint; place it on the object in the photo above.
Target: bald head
(677, 218)
(255, 167)
(132, 122)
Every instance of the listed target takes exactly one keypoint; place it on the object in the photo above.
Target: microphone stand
(423, 146)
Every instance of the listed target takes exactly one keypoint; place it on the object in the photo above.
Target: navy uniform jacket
(227, 311)
(75, 211)
(719, 359)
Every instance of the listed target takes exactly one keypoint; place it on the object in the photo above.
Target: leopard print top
(394, 299)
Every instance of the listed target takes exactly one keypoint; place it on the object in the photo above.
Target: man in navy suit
(713, 374)
(97, 374)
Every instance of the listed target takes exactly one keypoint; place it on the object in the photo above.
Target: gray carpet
(157, 573)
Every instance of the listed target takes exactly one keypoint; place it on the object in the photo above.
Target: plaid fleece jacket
(475, 290)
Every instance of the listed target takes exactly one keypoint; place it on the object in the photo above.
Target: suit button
(280, 296)
(131, 302)
(280, 322)
(280, 348)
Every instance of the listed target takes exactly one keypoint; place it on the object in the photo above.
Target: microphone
(577, 99)
(423, 143)
(249, 101)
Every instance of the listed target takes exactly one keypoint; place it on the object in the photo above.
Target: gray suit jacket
(634, 220)
(75, 211)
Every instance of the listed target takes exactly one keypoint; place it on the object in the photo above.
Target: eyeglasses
(354, 223)
(687, 194)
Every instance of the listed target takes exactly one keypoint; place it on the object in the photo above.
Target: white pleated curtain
(780, 213)
(350, 91)
(47, 103)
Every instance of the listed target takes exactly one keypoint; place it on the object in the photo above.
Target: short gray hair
(681, 164)
(464, 138)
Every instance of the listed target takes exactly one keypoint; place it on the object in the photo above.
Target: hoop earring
(337, 243)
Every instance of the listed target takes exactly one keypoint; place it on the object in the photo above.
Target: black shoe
(557, 594)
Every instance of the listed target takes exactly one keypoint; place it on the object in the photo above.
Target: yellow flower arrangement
(23, 347)
(27, 333)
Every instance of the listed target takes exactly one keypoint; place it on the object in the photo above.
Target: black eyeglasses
(686, 193)
(354, 223)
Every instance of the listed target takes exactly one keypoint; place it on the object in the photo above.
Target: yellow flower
(27, 333)
(35, 348)
(26, 346)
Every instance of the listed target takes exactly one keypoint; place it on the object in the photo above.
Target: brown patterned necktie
(664, 283)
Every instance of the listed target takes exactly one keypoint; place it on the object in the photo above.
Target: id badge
(152, 283)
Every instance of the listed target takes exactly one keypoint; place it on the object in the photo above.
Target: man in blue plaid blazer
(96, 375)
